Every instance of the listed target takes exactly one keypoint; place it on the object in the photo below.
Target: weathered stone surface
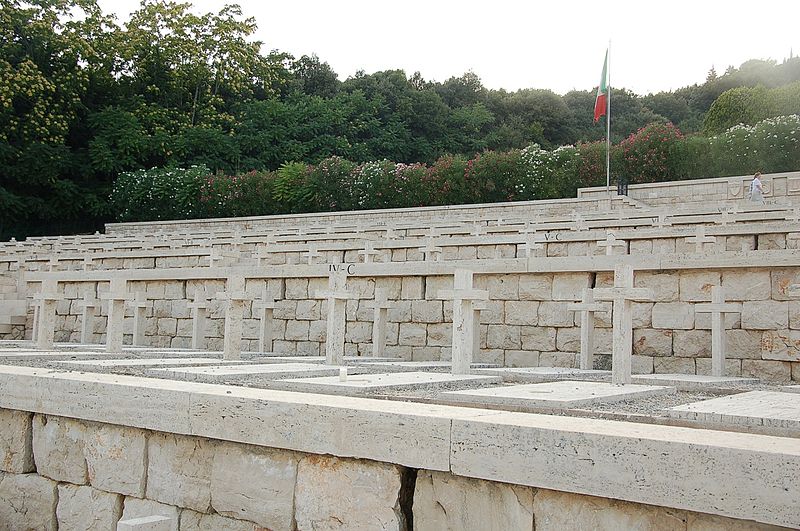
(663, 284)
(651, 342)
(641, 364)
(696, 285)
(673, 315)
(555, 314)
(412, 334)
(746, 284)
(254, 484)
(733, 367)
(27, 502)
(692, 343)
(568, 339)
(179, 470)
(674, 365)
(765, 315)
(440, 335)
(138, 508)
(87, 509)
(444, 501)
(426, 311)
(194, 521)
(521, 312)
(642, 316)
(794, 315)
(16, 433)
(535, 287)
(709, 522)
(743, 344)
(561, 510)
(782, 345)
(502, 336)
(538, 338)
(771, 371)
(116, 458)
(412, 288)
(520, 358)
(58, 449)
(501, 287)
(782, 279)
(702, 320)
(557, 359)
(336, 493)
(569, 286)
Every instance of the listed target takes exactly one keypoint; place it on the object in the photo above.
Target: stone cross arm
(233, 296)
(340, 295)
(463, 294)
(633, 294)
(589, 307)
(722, 307)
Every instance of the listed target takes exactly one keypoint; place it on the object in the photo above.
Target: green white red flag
(601, 102)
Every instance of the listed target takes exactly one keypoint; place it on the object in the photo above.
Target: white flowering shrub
(159, 193)
(547, 174)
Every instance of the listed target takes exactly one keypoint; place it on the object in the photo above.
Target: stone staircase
(13, 308)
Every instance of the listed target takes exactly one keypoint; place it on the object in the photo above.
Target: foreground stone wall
(62, 473)
(526, 322)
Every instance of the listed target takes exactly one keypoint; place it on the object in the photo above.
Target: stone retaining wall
(63, 473)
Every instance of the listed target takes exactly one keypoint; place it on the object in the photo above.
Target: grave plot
(367, 384)
(245, 373)
(757, 409)
(88, 365)
(554, 395)
(416, 366)
(543, 374)
(791, 388)
(691, 381)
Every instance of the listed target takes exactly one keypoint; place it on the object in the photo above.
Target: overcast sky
(557, 44)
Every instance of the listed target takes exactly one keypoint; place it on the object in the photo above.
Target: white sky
(554, 44)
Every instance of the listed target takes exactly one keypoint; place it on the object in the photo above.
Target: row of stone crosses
(468, 302)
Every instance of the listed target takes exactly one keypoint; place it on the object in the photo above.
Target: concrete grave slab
(154, 362)
(425, 366)
(370, 383)
(690, 381)
(769, 409)
(245, 372)
(543, 374)
(791, 388)
(561, 395)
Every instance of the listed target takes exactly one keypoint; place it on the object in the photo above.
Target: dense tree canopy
(83, 98)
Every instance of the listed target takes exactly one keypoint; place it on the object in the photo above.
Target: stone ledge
(700, 470)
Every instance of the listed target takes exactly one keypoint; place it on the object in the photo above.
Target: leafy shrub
(647, 154)
(159, 194)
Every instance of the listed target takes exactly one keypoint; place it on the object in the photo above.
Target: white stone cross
(478, 306)
(587, 308)
(431, 250)
(89, 310)
(88, 263)
(369, 252)
(622, 295)
(725, 217)
(700, 240)
(139, 305)
(579, 222)
(235, 298)
(52, 264)
(661, 221)
(116, 297)
(717, 308)
(529, 228)
(199, 307)
(610, 242)
(264, 308)
(47, 297)
(220, 255)
(463, 296)
(311, 254)
(337, 296)
(36, 305)
(381, 307)
(390, 234)
(478, 229)
(532, 244)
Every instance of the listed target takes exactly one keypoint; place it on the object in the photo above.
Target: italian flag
(601, 101)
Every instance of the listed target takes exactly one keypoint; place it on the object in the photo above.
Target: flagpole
(608, 127)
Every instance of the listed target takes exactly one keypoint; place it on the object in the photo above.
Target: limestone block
(642, 316)
(317, 330)
(765, 315)
(555, 314)
(702, 321)
(581, 249)
(538, 338)
(500, 287)
(334, 493)
(400, 312)
(673, 315)
(569, 286)
(556, 249)
(692, 343)
(280, 346)
(743, 344)
(468, 252)
(16, 434)
(781, 280)
(535, 287)
(740, 243)
(769, 370)
(87, 509)
(557, 359)
(733, 367)
(496, 356)
(398, 351)
(139, 508)
(358, 332)
(179, 470)
(161, 308)
(521, 358)
(305, 348)
(155, 289)
(412, 334)
(665, 246)
(425, 311)
(568, 339)
(412, 288)
(194, 521)
(652, 342)
(521, 312)
(664, 284)
(445, 501)
(115, 458)
(254, 484)
(426, 354)
(794, 315)
(308, 310)
(710, 522)
(58, 449)
(641, 364)
(296, 330)
(440, 335)
(297, 288)
(556, 511)
(696, 285)
(771, 241)
(603, 338)
(167, 327)
(673, 365)
(782, 345)
(746, 284)
(435, 284)
(504, 337)
(314, 285)
(640, 247)
(493, 314)
(28, 502)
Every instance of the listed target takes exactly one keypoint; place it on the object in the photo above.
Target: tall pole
(608, 126)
